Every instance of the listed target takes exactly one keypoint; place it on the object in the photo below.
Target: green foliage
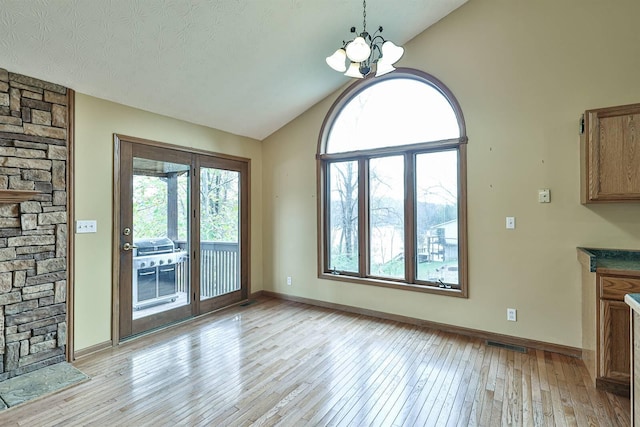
(149, 207)
(219, 206)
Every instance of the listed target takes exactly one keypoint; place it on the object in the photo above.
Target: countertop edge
(610, 261)
(633, 301)
(592, 258)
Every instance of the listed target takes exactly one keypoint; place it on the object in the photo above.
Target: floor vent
(246, 303)
(517, 348)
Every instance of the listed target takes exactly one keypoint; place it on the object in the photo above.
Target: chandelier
(364, 52)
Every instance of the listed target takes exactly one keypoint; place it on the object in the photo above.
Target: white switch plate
(86, 226)
(511, 314)
(544, 196)
(511, 222)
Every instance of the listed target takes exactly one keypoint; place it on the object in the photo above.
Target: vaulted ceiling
(243, 66)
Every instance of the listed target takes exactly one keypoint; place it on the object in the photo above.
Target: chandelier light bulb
(358, 50)
(383, 67)
(391, 53)
(337, 61)
(354, 71)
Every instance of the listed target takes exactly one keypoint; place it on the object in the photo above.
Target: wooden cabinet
(634, 303)
(610, 155)
(614, 355)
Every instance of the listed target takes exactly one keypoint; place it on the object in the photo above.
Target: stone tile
(55, 98)
(41, 117)
(59, 116)
(58, 179)
(7, 254)
(36, 175)
(57, 153)
(52, 218)
(46, 131)
(30, 207)
(10, 120)
(11, 128)
(38, 383)
(35, 104)
(31, 81)
(32, 95)
(51, 265)
(9, 222)
(14, 101)
(15, 162)
(60, 292)
(5, 283)
(26, 87)
(25, 114)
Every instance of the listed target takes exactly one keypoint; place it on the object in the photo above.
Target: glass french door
(221, 226)
(183, 235)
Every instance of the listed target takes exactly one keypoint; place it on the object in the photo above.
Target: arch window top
(399, 109)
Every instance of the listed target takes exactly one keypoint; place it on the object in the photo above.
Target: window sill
(395, 285)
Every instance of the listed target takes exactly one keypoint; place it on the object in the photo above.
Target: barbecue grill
(154, 271)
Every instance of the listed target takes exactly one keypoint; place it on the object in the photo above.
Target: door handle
(128, 246)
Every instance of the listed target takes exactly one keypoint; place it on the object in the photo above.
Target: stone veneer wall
(33, 234)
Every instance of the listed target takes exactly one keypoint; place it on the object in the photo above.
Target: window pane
(386, 216)
(437, 216)
(343, 216)
(219, 232)
(390, 113)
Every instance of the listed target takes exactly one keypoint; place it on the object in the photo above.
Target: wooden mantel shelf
(16, 196)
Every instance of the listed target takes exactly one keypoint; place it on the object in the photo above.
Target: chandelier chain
(364, 16)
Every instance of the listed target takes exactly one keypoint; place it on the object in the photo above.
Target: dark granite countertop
(613, 259)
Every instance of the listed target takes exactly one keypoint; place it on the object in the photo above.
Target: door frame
(245, 223)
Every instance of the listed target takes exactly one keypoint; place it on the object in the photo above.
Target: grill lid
(160, 245)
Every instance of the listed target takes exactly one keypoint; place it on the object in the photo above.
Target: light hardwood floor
(284, 363)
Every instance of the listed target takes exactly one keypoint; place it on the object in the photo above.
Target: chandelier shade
(354, 71)
(365, 53)
(358, 50)
(337, 61)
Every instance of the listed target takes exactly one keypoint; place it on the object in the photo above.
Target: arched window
(392, 185)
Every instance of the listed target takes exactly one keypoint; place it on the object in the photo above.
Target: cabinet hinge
(581, 127)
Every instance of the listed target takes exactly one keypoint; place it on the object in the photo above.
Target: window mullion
(325, 208)
(363, 217)
(410, 253)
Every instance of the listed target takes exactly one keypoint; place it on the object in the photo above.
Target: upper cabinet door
(610, 155)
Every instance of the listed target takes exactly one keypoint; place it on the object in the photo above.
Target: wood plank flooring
(289, 364)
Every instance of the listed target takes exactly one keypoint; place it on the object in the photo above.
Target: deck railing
(219, 269)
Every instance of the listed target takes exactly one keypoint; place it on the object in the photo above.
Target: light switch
(511, 222)
(544, 196)
(86, 226)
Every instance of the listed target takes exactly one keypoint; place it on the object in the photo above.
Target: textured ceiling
(244, 66)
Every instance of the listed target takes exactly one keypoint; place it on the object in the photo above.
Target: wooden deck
(289, 364)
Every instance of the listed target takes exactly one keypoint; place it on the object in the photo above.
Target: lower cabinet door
(615, 357)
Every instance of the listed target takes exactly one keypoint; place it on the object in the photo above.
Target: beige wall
(96, 121)
(523, 72)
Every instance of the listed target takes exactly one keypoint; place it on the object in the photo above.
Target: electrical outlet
(511, 314)
(86, 226)
(544, 196)
(511, 222)
(288, 280)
